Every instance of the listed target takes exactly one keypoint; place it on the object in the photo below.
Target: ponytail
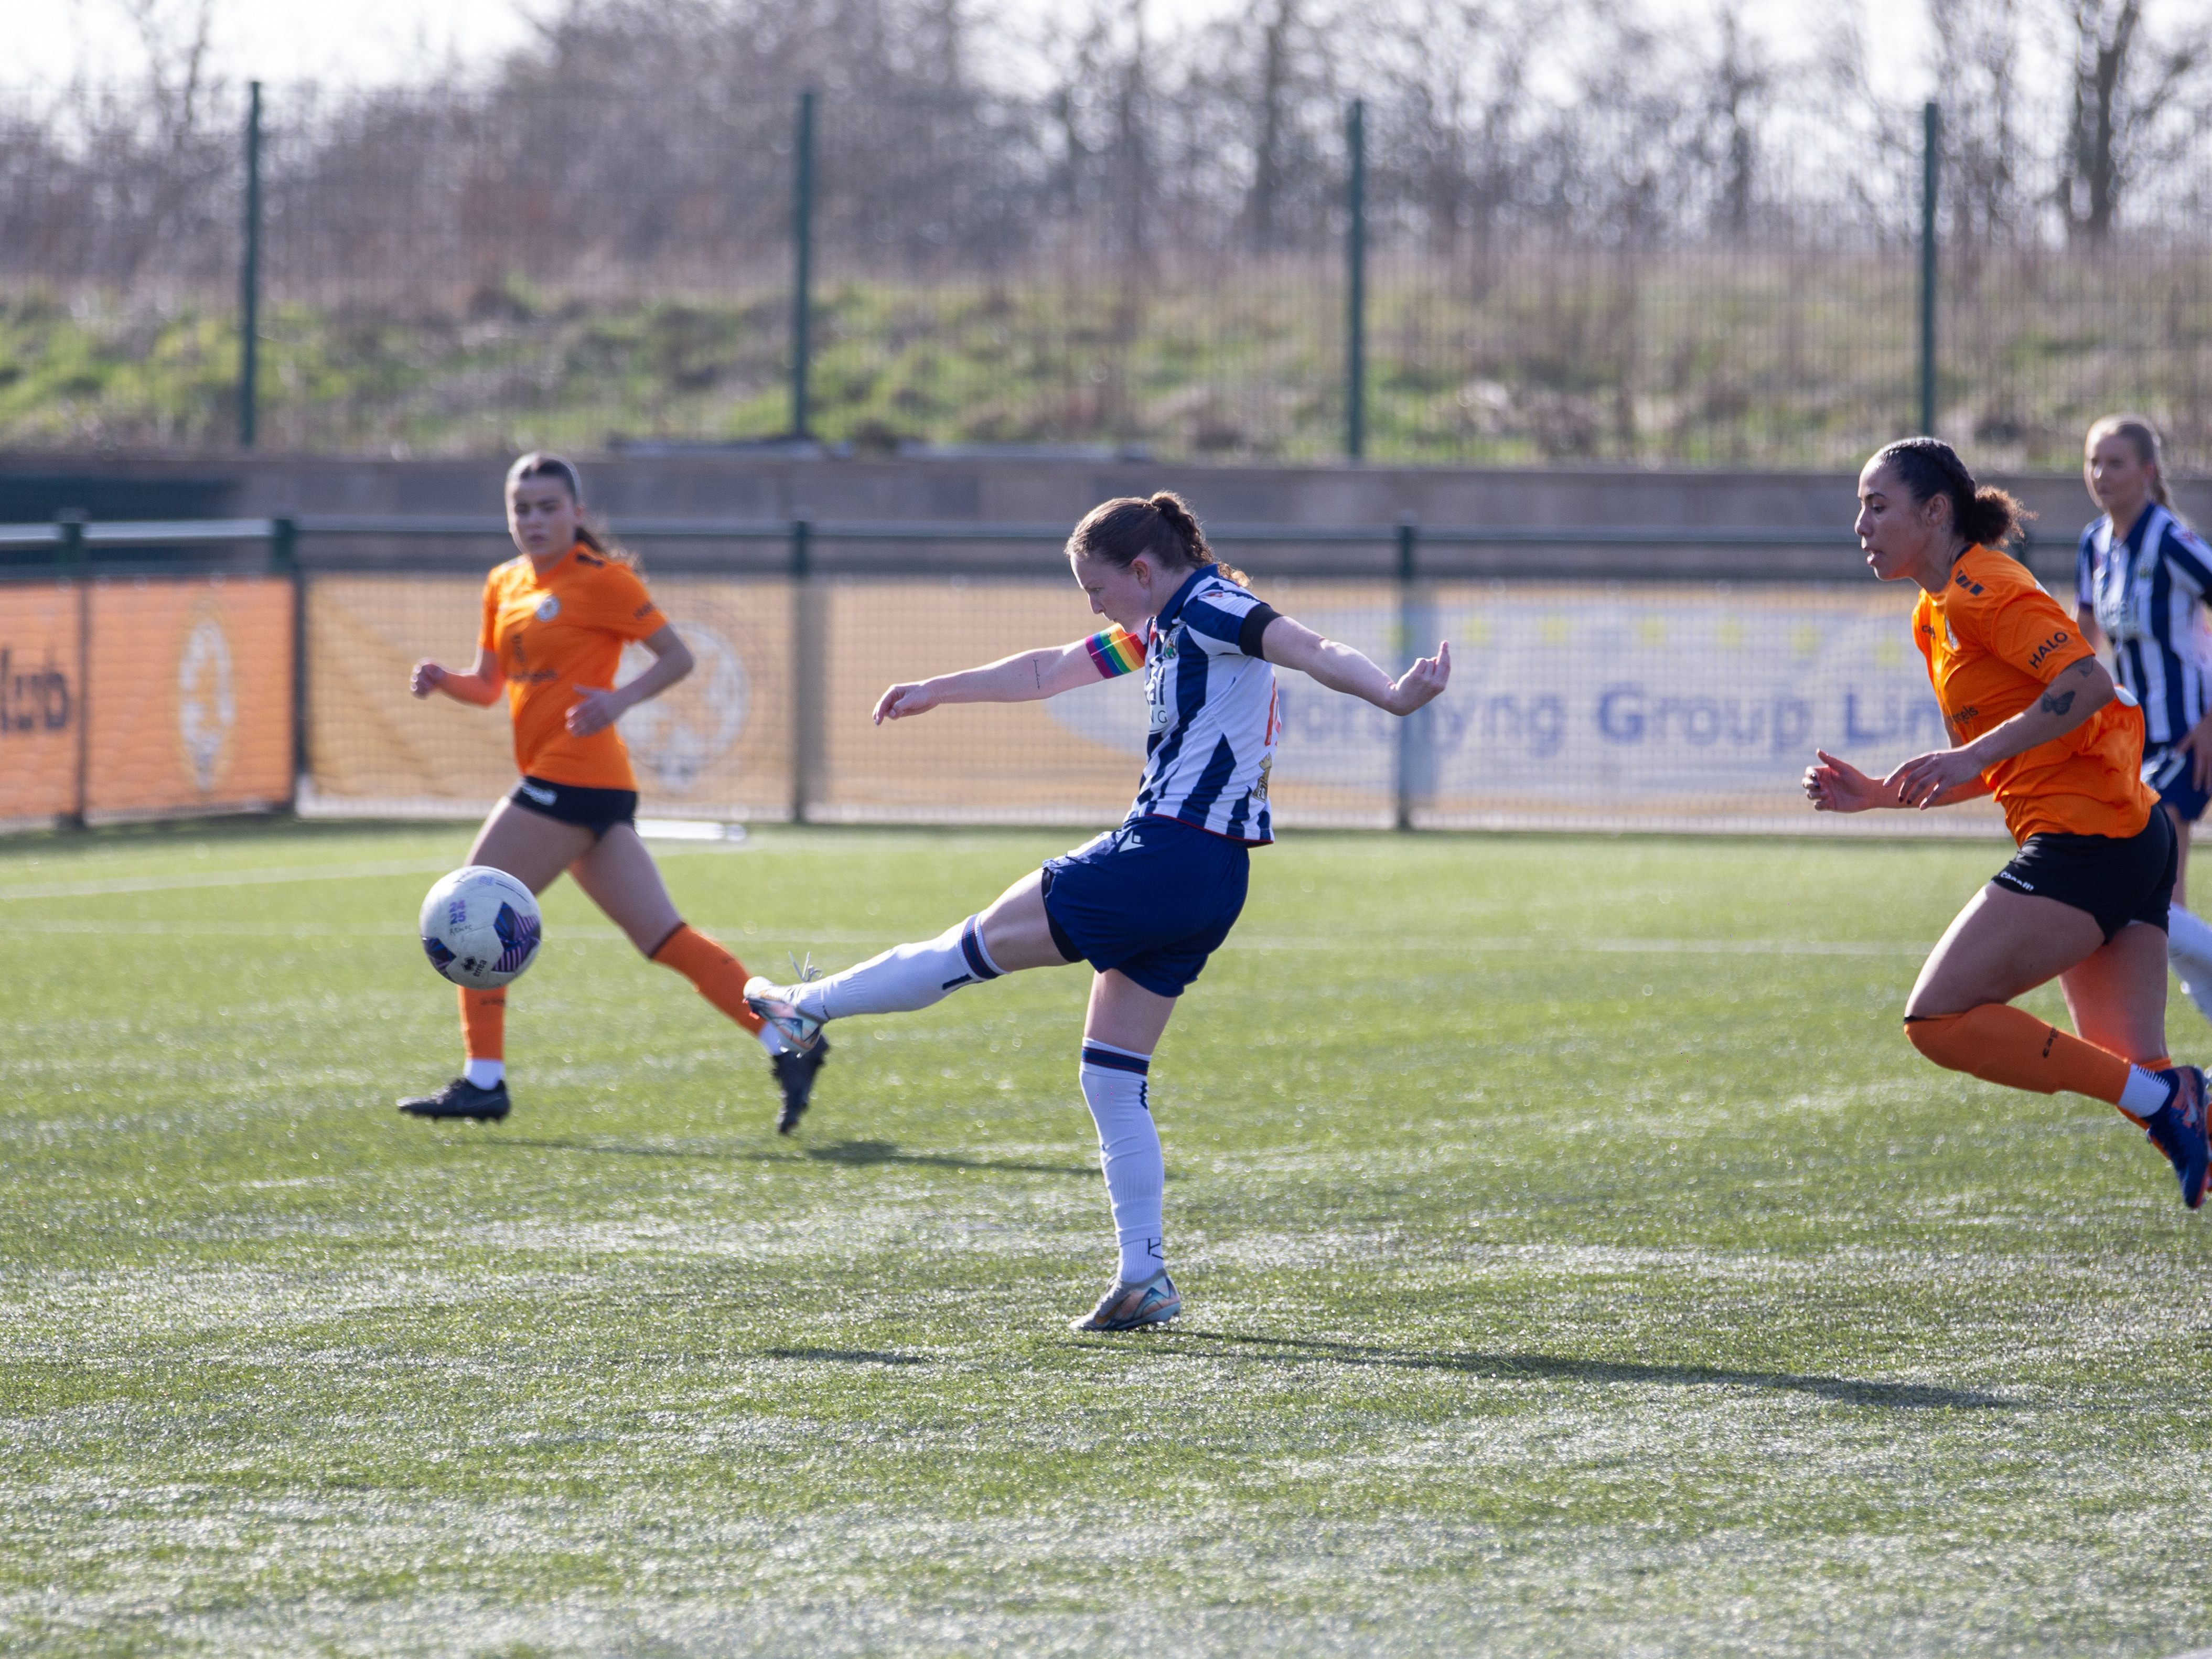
(1985, 515)
(1125, 529)
(592, 532)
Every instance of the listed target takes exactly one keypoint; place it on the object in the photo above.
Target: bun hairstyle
(1986, 517)
(1124, 529)
(544, 463)
(2144, 441)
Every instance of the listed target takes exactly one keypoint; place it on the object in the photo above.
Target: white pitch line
(224, 878)
(1765, 947)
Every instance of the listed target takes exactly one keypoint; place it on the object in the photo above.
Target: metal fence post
(1411, 782)
(802, 263)
(75, 557)
(249, 278)
(1355, 260)
(284, 558)
(1931, 161)
(809, 633)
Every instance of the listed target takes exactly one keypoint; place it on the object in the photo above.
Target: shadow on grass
(845, 1356)
(858, 1154)
(1845, 1390)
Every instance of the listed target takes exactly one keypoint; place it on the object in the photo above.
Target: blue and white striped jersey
(2148, 588)
(1213, 717)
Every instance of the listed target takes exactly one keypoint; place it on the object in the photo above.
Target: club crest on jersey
(548, 608)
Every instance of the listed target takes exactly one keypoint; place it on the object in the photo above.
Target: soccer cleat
(795, 1075)
(461, 1098)
(2177, 1129)
(1127, 1307)
(773, 1004)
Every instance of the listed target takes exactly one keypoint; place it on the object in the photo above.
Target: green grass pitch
(1577, 1262)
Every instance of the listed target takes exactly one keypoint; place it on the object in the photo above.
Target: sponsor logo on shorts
(538, 792)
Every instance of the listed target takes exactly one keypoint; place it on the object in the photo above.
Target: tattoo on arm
(2056, 702)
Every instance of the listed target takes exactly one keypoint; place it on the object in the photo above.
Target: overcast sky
(379, 41)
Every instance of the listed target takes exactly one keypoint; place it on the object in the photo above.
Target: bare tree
(1979, 49)
(2124, 84)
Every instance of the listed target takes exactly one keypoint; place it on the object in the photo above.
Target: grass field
(1576, 1261)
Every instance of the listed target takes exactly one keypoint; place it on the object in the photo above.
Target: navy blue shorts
(2173, 775)
(1152, 899)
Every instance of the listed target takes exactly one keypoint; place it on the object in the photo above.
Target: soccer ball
(480, 926)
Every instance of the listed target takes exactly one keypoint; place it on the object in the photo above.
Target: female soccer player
(2037, 724)
(555, 621)
(2142, 581)
(1144, 904)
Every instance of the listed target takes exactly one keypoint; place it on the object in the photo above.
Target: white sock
(904, 978)
(486, 1074)
(1113, 1085)
(772, 1040)
(2144, 1094)
(2188, 949)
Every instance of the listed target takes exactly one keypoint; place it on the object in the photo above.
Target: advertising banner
(720, 743)
(1571, 706)
(191, 696)
(41, 700)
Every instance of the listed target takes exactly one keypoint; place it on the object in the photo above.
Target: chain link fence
(443, 272)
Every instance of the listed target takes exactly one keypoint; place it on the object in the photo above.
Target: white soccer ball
(480, 926)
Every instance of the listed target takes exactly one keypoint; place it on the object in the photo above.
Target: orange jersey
(1994, 640)
(553, 634)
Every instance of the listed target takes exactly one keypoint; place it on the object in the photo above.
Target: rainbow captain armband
(1115, 651)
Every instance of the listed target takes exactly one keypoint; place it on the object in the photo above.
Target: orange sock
(483, 1023)
(720, 977)
(2000, 1044)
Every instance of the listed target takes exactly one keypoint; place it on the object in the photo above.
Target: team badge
(548, 608)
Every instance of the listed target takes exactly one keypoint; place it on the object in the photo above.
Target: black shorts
(2116, 879)
(596, 809)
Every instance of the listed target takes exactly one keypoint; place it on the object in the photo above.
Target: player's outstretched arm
(479, 687)
(1293, 644)
(1045, 672)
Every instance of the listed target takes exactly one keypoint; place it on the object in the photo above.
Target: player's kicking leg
(1012, 934)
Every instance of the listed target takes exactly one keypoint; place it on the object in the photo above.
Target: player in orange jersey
(2038, 723)
(556, 619)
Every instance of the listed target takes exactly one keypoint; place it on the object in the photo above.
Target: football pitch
(1576, 1260)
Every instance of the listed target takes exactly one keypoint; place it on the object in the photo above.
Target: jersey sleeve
(2085, 570)
(1227, 621)
(2188, 558)
(488, 636)
(1115, 651)
(622, 606)
(2029, 631)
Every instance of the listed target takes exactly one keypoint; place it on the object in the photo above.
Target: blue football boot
(2177, 1129)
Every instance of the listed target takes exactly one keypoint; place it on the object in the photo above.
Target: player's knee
(1939, 1037)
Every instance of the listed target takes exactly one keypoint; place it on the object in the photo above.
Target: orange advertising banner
(717, 745)
(41, 700)
(190, 698)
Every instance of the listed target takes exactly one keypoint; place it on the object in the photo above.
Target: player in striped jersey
(1144, 904)
(2140, 591)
